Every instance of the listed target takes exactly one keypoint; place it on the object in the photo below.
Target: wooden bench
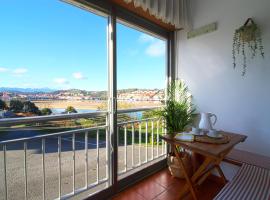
(239, 157)
(252, 181)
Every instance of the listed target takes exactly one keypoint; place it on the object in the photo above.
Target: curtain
(175, 12)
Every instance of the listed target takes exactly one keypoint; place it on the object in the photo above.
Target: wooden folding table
(213, 155)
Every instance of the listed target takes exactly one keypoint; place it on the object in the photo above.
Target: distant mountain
(26, 90)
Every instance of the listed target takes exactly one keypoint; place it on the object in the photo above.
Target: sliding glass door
(79, 84)
(141, 80)
(54, 78)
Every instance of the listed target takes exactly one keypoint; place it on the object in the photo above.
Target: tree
(3, 105)
(70, 109)
(46, 111)
(30, 107)
(16, 106)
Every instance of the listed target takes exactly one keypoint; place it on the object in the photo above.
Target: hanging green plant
(247, 37)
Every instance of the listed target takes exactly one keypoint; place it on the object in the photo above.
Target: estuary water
(15, 132)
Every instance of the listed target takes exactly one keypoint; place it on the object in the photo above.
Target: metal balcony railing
(150, 145)
(154, 142)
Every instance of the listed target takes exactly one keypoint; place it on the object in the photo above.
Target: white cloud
(79, 75)
(156, 48)
(3, 69)
(20, 71)
(61, 81)
(145, 38)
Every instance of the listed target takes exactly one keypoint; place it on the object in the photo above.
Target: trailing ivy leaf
(247, 37)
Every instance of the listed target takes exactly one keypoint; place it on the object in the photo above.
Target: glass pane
(141, 74)
(141, 61)
(53, 61)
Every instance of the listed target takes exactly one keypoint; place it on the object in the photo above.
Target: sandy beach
(92, 105)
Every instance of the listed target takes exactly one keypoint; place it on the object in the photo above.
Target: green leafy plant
(178, 110)
(247, 37)
(70, 109)
(16, 106)
(3, 105)
(46, 111)
(30, 107)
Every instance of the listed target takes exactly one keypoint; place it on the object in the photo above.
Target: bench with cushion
(250, 183)
(238, 157)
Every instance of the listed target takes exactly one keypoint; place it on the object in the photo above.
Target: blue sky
(55, 45)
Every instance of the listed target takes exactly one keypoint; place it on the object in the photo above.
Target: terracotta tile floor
(162, 186)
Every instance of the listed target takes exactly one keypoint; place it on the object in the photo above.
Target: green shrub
(16, 106)
(70, 109)
(3, 105)
(46, 111)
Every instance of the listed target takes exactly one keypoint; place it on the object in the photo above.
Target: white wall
(242, 104)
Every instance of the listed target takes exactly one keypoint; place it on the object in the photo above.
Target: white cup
(195, 131)
(212, 133)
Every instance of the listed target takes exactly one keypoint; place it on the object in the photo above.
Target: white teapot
(205, 122)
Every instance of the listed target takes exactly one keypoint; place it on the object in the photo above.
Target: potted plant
(178, 113)
(247, 37)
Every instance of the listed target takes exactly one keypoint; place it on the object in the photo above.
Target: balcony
(109, 51)
(162, 186)
(75, 164)
(63, 164)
